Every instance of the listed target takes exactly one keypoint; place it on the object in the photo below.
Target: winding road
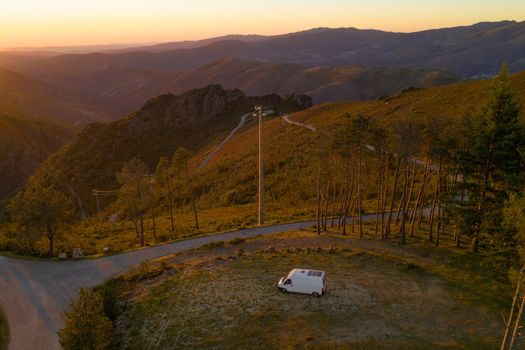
(35, 293)
(223, 142)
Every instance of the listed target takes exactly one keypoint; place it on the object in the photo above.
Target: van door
(288, 284)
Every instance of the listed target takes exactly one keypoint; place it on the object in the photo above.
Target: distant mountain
(22, 96)
(121, 89)
(193, 120)
(190, 44)
(36, 118)
(323, 84)
(468, 51)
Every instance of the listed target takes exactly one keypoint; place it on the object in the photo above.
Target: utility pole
(258, 111)
(95, 193)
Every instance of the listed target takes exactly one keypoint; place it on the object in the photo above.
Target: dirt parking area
(382, 298)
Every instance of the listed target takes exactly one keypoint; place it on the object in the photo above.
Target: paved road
(223, 142)
(287, 119)
(35, 293)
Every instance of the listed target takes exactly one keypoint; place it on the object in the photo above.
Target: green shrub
(87, 327)
(237, 240)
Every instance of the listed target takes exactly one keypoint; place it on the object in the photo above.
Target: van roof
(306, 272)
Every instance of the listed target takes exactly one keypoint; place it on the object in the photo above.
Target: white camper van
(303, 281)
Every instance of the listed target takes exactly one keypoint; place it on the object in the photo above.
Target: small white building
(304, 281)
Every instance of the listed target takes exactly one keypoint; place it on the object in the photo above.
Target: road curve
(34, 294)
(223, 142)
(287, 119)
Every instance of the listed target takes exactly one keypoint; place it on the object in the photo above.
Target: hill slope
(27, 97)
(469, 50)
(192, 120)
(24, 144)
(36, 118)
(123, 89)
(230, 179)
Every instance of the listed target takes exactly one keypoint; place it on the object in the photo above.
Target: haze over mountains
(55, 92)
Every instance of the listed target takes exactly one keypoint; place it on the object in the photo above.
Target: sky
(34, 23)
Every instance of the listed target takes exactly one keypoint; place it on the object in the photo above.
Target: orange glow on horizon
(38, 23)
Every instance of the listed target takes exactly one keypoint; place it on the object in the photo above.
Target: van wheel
(283, 290)
(315, 294)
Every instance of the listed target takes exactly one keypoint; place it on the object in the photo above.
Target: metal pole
(261, 169)
(95, 192)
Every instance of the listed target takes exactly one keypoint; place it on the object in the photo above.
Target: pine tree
(87, 327)
(41, 209)
(133, 194)
(491, 165)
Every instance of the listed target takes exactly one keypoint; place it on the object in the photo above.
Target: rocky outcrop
(165, 123)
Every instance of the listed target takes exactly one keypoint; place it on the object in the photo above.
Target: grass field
(4, 331)
(380, 295)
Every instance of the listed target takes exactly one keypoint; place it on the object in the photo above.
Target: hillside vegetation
(225, 190)
(25, 97)
(380, 296)
(191, 120)
(36, 118)
(24, 144)
(121, 89)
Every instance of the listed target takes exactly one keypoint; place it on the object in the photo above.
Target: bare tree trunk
(438, 224)
(517, 324)
(360, 192)
(51, 239)
(135, 223)
(325, 213)
(512, 309)
(170, 203)
(318, 203)
(406, 174)
(422, 203)
(434, 201)
(193, 204)
(344, 195)
(379, 192)
(347, 205)
(392, 202)
(419, 198)
(457, 238)
(384, 199)
(334, 196)
(141, 230)
(412, 185)
(401, 201)
(154, 227)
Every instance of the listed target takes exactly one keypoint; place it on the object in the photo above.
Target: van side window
(288, 281)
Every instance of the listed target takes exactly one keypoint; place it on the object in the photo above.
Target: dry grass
(4, 331)
(381, 295)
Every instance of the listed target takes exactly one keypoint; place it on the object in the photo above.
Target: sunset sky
(77, 22)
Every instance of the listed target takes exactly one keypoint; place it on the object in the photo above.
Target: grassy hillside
(290, 149)
(24, 144)
(35, 120)
(191, 120)
(226, 187)
(26, 97)
(380, 296)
